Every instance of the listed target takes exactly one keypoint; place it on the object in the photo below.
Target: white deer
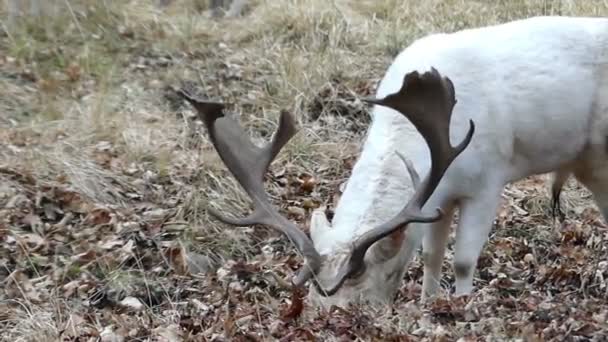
(535, 90)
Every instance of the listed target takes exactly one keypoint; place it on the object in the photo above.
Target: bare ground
(105, 177)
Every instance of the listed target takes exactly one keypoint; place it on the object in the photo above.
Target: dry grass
(95, 144)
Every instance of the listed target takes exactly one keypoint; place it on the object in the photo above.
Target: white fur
(534, 89)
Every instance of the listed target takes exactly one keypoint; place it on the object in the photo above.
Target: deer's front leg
(475, 222)
(433, 252)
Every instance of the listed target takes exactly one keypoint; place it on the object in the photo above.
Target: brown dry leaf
(177, 259)
(229, 326)
(98, 216)
(307, 183)
(72, 201)
(104, 159)
(4, 232)
(84, 258)
(47, 85)
(73, 72)
(297, 305)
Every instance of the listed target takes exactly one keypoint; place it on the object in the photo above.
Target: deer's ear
(319, 225)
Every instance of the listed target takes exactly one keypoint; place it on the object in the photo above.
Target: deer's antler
(248, 164)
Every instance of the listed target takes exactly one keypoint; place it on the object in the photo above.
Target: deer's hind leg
(598, 185)
(592, 172)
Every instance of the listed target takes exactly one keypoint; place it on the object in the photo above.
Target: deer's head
(425, 99)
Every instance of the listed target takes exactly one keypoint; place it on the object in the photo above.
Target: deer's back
(528, 85)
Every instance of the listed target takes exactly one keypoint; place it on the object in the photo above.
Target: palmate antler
(426, 100)
(248, 164)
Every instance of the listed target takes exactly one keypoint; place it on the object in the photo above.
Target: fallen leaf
(170, 333)
(84, 258)
(132, 303)
(73, 72)
(297, 305)
(72, 201)
(307, 183)
(98, 216)
(177, 259)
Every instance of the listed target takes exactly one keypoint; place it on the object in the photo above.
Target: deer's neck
(379, 185)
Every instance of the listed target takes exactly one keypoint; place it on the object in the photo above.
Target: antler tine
(427, 101)
(410, 170)
(248, 164)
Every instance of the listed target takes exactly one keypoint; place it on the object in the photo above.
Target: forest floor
(105, 178)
